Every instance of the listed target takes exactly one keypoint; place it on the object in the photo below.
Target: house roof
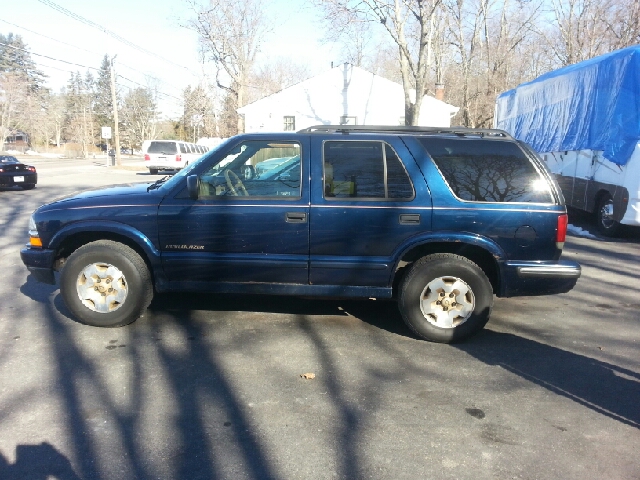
(337, 83)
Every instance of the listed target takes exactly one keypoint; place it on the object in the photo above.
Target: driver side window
(255, 169)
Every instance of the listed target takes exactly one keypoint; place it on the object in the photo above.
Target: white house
(343, 95)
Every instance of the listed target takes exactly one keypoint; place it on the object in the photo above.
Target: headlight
(34, 237)
(33, 230)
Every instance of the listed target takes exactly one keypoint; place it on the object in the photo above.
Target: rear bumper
(528, 278)
(40, 263)
(28, 179)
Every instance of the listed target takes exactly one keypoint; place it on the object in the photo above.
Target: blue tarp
(593, 105)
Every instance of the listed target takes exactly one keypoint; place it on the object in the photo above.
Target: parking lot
(217, 386)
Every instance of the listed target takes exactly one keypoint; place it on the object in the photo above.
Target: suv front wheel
(106, 284)
(445, 298)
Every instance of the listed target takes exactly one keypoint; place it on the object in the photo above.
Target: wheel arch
(78, 234)
(597, 198)
(483, 252)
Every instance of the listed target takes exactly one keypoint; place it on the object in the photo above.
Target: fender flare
(92, 226)
(458, 238)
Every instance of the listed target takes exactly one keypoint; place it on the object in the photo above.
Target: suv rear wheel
(106, 284)
(445, 298)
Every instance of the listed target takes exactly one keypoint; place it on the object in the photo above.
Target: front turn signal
(35, 242)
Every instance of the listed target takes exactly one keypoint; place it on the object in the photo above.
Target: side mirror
(193, 186)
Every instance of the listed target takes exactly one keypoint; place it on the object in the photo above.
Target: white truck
(584, 120)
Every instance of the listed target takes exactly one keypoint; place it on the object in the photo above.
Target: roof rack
(459, 131)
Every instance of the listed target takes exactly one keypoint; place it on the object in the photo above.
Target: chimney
(440, 91)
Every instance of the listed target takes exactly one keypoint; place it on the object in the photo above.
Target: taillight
(1, 170)
(561, 234)
(32, 169)
(178, 158)
(146, 157)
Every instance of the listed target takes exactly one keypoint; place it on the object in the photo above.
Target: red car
(14, 172)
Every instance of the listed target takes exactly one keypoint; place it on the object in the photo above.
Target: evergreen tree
(15, 58)
(103, 104)
(22, 85)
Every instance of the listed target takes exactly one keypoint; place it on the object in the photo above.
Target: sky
(170, 57)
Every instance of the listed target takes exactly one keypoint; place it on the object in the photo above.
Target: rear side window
(488, 170)
(162, 147)
(364, 170)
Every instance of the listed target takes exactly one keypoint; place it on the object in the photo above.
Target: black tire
(135, 280)
(473, 306)
(28, 186)
(605, 223)
(153, 171)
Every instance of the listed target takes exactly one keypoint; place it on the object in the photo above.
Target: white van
(171, 155)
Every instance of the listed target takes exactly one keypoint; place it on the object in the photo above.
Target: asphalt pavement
(258, 387)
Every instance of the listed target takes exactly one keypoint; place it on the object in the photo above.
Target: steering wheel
(238, 186)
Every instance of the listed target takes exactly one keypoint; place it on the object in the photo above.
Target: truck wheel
(604, 217)
(106, 284)
(153, 171)
(445, 298)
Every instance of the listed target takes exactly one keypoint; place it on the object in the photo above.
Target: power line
(46, 56)
(42, 35)
(88, 51)
(117, 37)
(87, 67)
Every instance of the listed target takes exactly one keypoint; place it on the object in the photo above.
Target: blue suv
(439, 219)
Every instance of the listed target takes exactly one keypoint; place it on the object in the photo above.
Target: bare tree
(12, 100)
(55, 116)
(409, 24)
(467, 18)
(78, 113)
(580, 30)
(138, 116)
(230, 36)
(271, 77)
(508, 30)
(623, 27)
(199, 115)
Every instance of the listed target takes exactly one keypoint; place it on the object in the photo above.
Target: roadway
(210, 386)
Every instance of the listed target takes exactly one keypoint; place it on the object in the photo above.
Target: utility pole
(114, 101)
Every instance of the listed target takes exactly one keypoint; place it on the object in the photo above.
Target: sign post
(106, 134)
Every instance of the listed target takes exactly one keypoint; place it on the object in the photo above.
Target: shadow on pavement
(605, 388)
(37, 462)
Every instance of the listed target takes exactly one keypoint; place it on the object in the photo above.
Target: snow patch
(579, 231)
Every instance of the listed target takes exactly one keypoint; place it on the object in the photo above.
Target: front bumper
(528, 278)
(39, 262)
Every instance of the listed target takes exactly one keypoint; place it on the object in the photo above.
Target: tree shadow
(211, 420)
(37, 462)
(608, 389)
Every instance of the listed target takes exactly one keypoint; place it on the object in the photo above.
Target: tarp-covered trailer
(584, 120)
